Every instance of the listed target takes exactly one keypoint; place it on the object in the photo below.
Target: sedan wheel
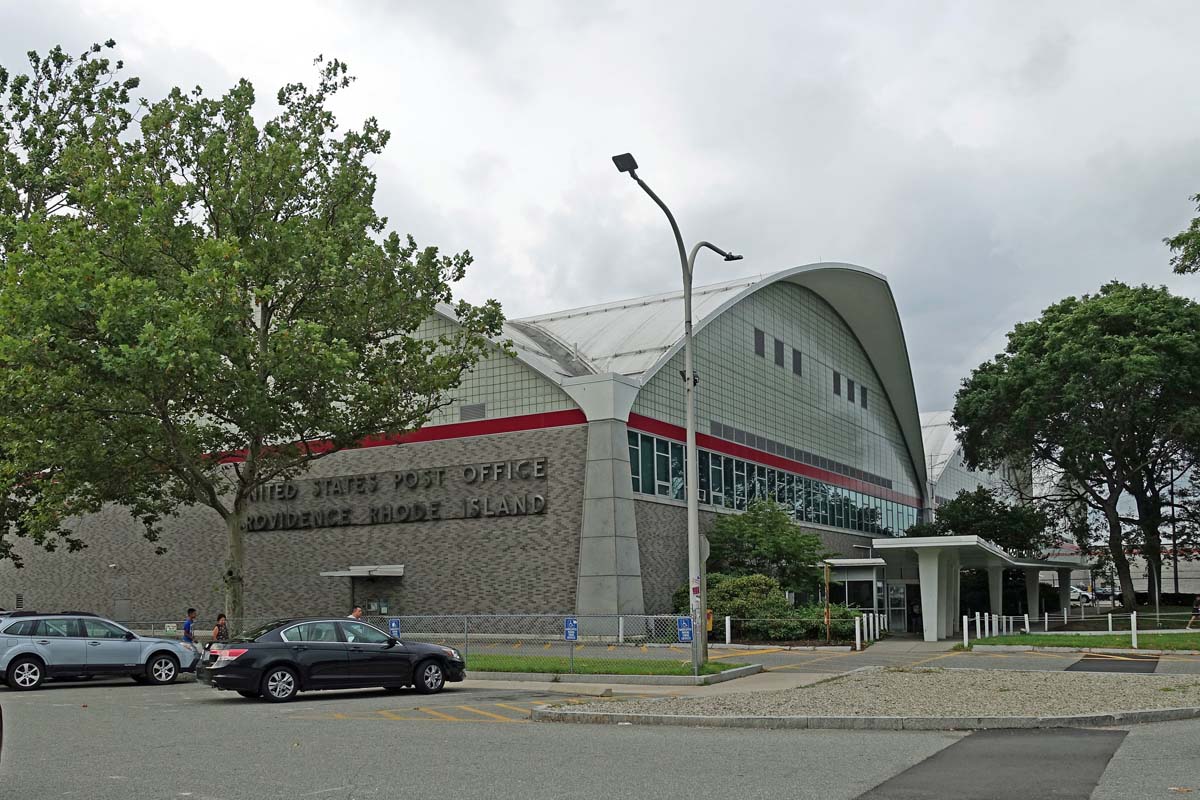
(430, 677)
(25, 674)
(280, 685)
(162, 669)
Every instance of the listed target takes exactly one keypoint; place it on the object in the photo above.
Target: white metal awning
(856, 562)
(367, 571)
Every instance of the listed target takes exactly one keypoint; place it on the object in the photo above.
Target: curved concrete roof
(940, 441)
(637, 337)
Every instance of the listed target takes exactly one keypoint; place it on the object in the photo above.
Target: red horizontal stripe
(455, 430)
(725, 447)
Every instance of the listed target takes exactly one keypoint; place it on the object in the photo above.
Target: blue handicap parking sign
(394, 627)
(684, 626)
(571, 629)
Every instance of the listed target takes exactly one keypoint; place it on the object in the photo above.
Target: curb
(642, 680)
(1102, 720)
(1116, 651)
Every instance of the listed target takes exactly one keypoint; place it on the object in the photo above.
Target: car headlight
(454, 654)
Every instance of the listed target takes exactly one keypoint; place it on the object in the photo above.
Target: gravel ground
(938, 693)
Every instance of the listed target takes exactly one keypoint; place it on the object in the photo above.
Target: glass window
(662, 466)
(634, 462)
(647, 469)
(311, 632)
(716, 479)
(837, 382)
(677, 470)
(99, 629)
(863, 395)
(778, 353)
(739, 483)
(727, 480)
(702, 455)
(760, 343)
(58, 628)
(850, 390)
(362, 633)
(797, 364)
(760, 482)
(23, 628)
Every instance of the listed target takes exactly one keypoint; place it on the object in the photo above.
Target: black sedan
(297, 655)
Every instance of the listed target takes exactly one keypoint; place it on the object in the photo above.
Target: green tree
(1101, 390)
(764, 540)
(1017, 527)
(223, 308)
(1185, 245)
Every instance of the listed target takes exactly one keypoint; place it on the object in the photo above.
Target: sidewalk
(894, 645)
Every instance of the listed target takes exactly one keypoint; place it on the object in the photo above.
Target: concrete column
(1064, 588)
(928, 570)
(1032, 600)
(996, 589)
(946, 614)
(956, 594)
(610, 572)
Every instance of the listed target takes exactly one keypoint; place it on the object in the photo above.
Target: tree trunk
(234, 562)
(1116, 548)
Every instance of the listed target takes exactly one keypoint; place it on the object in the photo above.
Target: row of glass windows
(658, 468)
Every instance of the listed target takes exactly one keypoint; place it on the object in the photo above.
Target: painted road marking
(487, 714)
(437, 714)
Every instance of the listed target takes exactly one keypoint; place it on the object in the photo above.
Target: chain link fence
(547, 643)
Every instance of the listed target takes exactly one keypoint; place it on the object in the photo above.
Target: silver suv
(34, 647)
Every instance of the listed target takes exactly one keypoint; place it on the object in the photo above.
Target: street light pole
(696, 599)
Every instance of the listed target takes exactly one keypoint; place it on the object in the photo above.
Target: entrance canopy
(369, 571)
(939, 560)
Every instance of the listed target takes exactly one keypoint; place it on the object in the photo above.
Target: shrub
(760, 601)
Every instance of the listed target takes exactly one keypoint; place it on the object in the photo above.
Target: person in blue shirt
(189, 627)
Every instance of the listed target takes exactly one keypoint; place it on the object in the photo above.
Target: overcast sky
(988, 158)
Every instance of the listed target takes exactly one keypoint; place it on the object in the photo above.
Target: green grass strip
(486, 662)
(1146, 641)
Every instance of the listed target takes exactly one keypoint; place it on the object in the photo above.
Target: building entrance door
(897, 603)
(378, 597)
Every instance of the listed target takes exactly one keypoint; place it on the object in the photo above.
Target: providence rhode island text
(472, 491)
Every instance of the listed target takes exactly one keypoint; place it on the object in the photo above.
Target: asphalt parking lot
(115, 739)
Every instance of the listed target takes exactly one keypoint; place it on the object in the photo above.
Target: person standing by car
(1195, 612)
(220, 632)
(189, 627)
(356, 613)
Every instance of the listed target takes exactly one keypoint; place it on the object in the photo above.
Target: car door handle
(93, 644)
(356, 649)
(43, 641)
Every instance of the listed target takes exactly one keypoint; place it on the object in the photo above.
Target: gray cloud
(989, 158)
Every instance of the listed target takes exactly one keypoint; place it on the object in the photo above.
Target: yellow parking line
(517, 709)
(438, 714)
(487, 714)
(392, 715)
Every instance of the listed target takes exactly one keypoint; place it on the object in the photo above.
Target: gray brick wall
(517, 564)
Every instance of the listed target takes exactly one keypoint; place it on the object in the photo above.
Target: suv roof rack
(23, 612)
(79, 613)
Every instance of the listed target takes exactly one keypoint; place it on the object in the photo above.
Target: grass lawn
(1146, 641)
(589, 666)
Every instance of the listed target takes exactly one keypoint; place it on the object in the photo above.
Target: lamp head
(732, 257)
(626, 163)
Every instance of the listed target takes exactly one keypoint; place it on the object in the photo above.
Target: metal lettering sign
(571, 629)
(394, 627)
(684, 627)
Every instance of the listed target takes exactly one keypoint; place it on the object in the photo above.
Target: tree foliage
(222, 307)
(1017, 527)
(764, 540)
(1185, 245)
(1103, 391)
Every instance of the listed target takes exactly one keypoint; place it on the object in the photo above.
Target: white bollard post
(1027, 624)
(1047, 622)
(977, 634)
(857, 633)
(966, 629)
(620, 630)
(1066, 615)
(1133, 628)
(1110, 623)
(728, 631)
(880, 624)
